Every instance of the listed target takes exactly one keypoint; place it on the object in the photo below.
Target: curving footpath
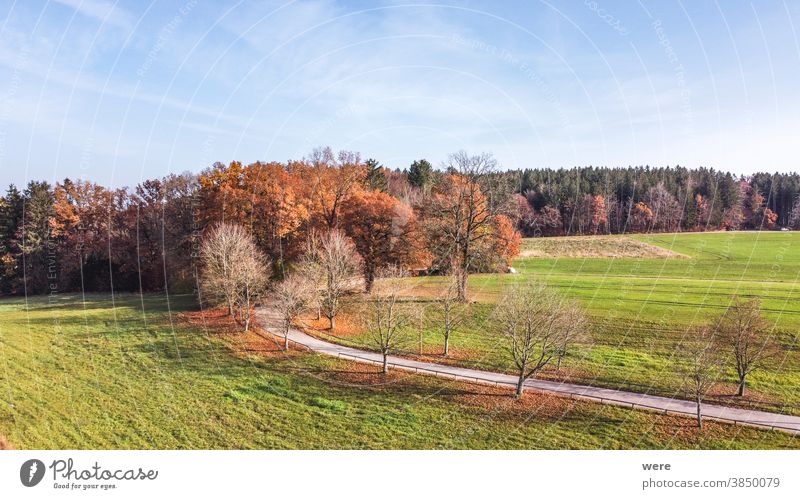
(633, 400)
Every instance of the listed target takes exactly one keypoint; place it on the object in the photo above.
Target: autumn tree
(702, 211)
(290, 298)
(746, 338)
(223, 198)
(82, 213)
(329, 181)
(640, 218)
(732, 217)
(532, 323)
(234, 270)
(164, 216)
(90, 223)
(505, 242)
(148, 203)
(598, 216)
(699, 365)
(545, 222)
(459, 220)
(755, 213)
(275, 209)
(383, 231)
(338, 263)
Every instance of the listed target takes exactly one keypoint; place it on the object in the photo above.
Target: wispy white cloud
(269, 80)
(103, 11)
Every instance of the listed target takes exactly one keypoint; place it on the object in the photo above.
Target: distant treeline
(642, 199)
(78, 235)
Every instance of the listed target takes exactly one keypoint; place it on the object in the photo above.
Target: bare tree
(234, 270)
(219, 252)
(576, 324)
(667, 211)
(291, 297)
(700, 366)
(310, 266)
(338, 261)
(533, 322)
(745, 334)
(387, 318)
(450, 307)
(252, 278)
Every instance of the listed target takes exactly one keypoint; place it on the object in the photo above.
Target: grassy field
(640, 307)
(146, 373)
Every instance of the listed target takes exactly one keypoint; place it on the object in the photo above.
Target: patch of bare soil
(256, 341)
(594, 247)
(677, 430)
(4, 444)
(213, 320)
(725, 394)
(502, 402)
(367, 376)
(457, 356)
(346, 325)
(683, 431)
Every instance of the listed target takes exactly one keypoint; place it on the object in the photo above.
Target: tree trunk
(740, 393)
(446, 342)
(462, 285)
(699, 414)
(520, 384)
(385, 363)
(369, 280)
(286, 338)
(319, 312)
(558, 364)
(332, 321)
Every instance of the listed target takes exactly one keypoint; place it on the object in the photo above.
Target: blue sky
(121, 91)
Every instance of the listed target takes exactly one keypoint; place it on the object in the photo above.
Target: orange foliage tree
(593, 214)
(702, 211)
(641, 217)
(383, 230)
(329, 181)
(506, 241)
(275, 210)
(222, 194)
(460, 222)
(91, 224)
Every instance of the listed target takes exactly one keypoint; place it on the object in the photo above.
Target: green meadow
(98, 372)
(642, 294)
